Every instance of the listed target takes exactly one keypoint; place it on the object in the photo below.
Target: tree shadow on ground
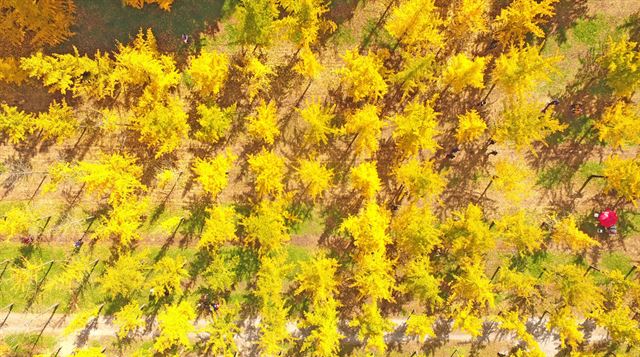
(566, 14)
(100, 23)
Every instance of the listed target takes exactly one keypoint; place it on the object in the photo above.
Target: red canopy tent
(608, 218)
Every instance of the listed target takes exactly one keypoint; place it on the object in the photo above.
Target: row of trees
(366, 160)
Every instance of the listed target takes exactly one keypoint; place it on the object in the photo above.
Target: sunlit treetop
(416, 25)
(209, 72)
(618, 125)
(567, 233)
(361, 76)
(468, 17)
(621, 61)
(462, 72)
(365, 124)
(471, 127)
(522, 124)
(420, 179)
(520, 70)
(317, 118)
(623, 177)
(364, 179)
(522, 17)
(416, 127)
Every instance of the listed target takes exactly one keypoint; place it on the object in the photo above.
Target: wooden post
(92, 219)
(7, 261)
(633, 268)
(38, 286)
(494, 274)
(485, 190)
(37, 188)
(46, 223)
(587, 181)
(55, 308)
(10, 306)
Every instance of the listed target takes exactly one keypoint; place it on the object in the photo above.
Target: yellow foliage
(368, 230)
(318, 122)
(471, 127)
(209, 72)
(462, 72)
(465, 319)
(467, 233)
(164, 177)
(315, 177)
(128, 320)
(80, 320)
(416, 73)
(415, 128)
(163, 4)
(362, 76)
(568, 234)
(213, 174)
(563, 322)
(163, 126)
(469, 17)
(623, 177)
(364, 178)
(222, 329)
(174, 324)
(43, 22)
(521, 232)
(265, 227)
(421, 282)
(168, 274)
(308, 64)
(219, 228)
(89, 352)
(367, 126)
(421, 326)
(522, 17)
(263, 124)
(522, 124)
(473, 286)
(511, 321)
(621, 61)
(416, 24)
(11, 72)
(273, 312)
(140, 64)
(514, 179)
(122, 222)
(521, 70)
(618, 126)
(215, 122)
(317, 280)
(372, 327)
(17, 222)
(15, 123)
(58, 123)
(420, 179)
(123, 278)
(268, 171)
(61, 72)
(259, 76)
(414, 230)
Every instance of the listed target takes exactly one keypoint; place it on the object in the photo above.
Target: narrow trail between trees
(32, 323)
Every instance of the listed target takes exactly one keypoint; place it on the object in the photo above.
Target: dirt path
(33, 323)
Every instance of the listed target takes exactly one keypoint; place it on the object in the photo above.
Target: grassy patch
(553, 176)
(20, 344)
(616, 261)
(591, 31)
(590, 168)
